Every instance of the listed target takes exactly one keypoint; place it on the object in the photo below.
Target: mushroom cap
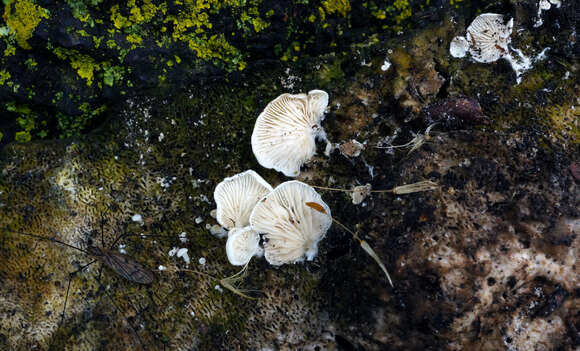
(242, 245)
(236, 196)
(459, 47)
(489, 36)
(284, 133)
(292, 229)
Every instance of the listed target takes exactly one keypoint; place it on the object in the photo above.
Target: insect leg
(102, 230)
(122, 314)
(70, 276)
(100, 271)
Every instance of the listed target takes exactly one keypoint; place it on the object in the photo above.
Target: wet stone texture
(489, 261)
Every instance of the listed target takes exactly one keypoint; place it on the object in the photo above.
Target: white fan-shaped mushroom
(291, 228)
(236, 196)
(284, 133)
(489, 37)
(242, 245)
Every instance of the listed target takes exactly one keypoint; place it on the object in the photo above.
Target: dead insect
(123, 266)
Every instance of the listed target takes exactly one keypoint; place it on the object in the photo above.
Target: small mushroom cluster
(487, 40)
(249, 208)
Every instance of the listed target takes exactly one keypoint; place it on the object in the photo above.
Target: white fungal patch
(219, 288)
(122, 249)
(545, 5)
(218, 231)
(183, 237)
(162, 268)
(386, 65)
(519, 63)
(180, 253)
(202, 261)
(183, 254)
(137, 218)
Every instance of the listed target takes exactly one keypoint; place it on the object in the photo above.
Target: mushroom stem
(368, 249)
(231, 282)
(365, 246)
(228, 282)
(425, 185)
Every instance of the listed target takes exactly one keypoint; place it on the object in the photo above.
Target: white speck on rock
(202, 261)
(219, 288)
(386, 65)
(137, 218)
(161, 268)
(217, 231)
(183, 237)
(183, 254)
(180, 253)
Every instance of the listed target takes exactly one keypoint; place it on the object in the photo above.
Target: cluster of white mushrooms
(283, 139)
(286, 224)
(249, 207)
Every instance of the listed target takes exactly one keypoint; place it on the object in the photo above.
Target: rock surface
(487, 262)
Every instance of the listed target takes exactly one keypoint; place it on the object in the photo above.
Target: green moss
(22, 17)
(330, 73)
(111, 44)
(113, 75)
(70, 126)
(22, 137)
(87, 67)
(31, 64)
(562, 121)
(80, 9)
(4, 76)
(10, 50)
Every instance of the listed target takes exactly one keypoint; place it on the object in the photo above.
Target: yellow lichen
(134, 39)
(404, 10)
(83, 64)
(342, 7)
(22, 17)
